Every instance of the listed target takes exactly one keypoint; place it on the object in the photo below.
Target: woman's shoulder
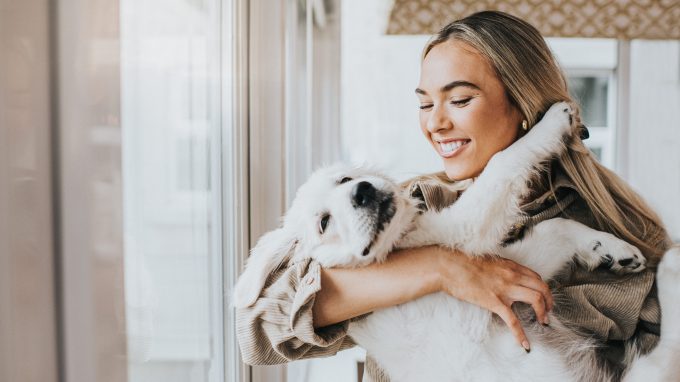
(553, 193)
(436, 191)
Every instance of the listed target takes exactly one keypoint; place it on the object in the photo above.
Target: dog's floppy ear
(272, 250)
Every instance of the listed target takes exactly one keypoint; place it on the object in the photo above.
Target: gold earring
(525, 125)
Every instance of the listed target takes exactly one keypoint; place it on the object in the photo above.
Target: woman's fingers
(495, 284)
(533, 298)
(510, 319)
(522, 269)
(533, 281)
(540, 287)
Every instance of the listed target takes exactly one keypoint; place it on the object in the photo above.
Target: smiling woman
(466, 123)
(146, 144)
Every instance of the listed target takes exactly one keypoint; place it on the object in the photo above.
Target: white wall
(379, 106)
(654, 144)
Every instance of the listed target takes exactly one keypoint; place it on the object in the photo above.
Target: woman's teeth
(449, 147)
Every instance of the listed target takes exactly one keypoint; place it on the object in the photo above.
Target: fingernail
(525, 344)
(547, 321)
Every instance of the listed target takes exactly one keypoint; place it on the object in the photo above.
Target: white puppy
(349, 217)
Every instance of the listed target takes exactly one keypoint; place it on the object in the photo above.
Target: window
(593, 90)
(170, 116)
(591, 93)
(151, 174)
(592, 83)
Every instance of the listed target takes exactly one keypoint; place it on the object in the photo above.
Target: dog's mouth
(386, 210)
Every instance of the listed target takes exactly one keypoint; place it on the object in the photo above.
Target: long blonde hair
(533, 81)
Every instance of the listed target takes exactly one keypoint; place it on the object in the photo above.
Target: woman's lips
(447, 149)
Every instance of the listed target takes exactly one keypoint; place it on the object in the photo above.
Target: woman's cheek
(465, 121)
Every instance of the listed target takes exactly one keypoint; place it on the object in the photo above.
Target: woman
(485, 80)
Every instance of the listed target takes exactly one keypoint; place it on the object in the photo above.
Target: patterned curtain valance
(621, 19)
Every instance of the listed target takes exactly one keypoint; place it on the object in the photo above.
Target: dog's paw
(547, 138)
(612, 253)
(557, 120)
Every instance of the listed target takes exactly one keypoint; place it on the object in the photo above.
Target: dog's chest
(429, 336)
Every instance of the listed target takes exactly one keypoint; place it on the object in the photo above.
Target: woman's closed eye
(460, 102)
(456, 102)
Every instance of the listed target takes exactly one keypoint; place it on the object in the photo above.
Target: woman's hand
(492, 283)
(495, 284)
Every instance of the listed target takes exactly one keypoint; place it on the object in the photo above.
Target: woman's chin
(458, 172)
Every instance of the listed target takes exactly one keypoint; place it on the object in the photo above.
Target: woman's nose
(438, 120)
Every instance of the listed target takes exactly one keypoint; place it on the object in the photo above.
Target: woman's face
(464, 111)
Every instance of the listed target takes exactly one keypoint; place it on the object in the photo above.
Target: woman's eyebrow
(451, 86)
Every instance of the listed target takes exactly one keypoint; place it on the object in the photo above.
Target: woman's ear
(272, 250)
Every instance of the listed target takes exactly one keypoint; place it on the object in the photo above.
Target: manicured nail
(525, 344)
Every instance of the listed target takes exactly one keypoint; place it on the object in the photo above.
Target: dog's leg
(663, 363)
(479, 220)
(552, 244)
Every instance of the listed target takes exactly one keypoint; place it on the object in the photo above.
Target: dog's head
(342, 216)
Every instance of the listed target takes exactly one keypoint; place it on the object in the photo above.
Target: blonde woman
(485, 80)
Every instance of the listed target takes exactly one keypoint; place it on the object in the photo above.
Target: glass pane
(170, 89)
(597, 152)
(591, 93)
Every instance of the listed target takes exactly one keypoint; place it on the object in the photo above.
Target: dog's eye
(345, 180)
(323, 223)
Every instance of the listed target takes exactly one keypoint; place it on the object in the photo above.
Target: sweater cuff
(302, 318)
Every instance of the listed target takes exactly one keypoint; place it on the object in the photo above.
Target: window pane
(597, 151)
(591, 93)
(170, 86)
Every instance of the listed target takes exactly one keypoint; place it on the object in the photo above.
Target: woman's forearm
(404, 276)
(489, 282)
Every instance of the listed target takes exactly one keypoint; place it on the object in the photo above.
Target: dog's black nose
(362, 194)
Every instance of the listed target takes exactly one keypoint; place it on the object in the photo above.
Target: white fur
(437, 337)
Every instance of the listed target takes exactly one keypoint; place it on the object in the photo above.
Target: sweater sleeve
(612, 307)
(278, 327)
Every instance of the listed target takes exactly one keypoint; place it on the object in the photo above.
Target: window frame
(234, 172)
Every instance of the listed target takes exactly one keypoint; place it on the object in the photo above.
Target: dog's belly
(439, 338)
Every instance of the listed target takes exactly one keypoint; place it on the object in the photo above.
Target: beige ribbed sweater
(279, 327)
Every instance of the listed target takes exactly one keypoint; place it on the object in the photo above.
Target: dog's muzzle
(379, 204)
(363, 194)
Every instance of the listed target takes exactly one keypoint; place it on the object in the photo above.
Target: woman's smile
(465, 112)
(447, 148)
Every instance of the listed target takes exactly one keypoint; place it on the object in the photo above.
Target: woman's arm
(350, 292)
(278, 327)
(491, 283)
